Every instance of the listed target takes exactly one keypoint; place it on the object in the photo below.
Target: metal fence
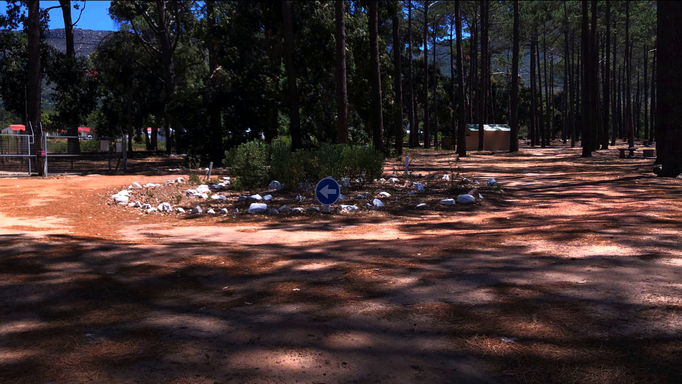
(16, 154)
(80, 155)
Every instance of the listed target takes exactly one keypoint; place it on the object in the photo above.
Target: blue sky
(95, 16)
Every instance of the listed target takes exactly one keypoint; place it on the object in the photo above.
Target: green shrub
(89, 145)
(254, 163)
(359, 160)
(249, 163)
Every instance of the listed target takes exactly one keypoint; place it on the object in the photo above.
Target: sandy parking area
(574, 274)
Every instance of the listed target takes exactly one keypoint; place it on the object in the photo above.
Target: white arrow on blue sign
(327, 191)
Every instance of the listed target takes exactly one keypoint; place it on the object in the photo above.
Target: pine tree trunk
(294, 116)
(215, 121)
(377, 109)
(427, 130)
(398, 85)
(594, 82)
(341, 83)
(435, 88)
(628, 75)
(567, 84)
(669, 78)
(453, 105)
(481, 92)
(547, 96)
(646, 94)
(587, 77)
(654, 71)
(607, 93)
(34, 80)
(473, 73)
(541, 116)
(573, 93)
(514, 136)
(533, 98)
(614, 112)
(461, 128)
(411, 103)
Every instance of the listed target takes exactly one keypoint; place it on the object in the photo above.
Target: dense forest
(221, 73)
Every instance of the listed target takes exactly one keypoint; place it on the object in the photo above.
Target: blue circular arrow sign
(327, 191)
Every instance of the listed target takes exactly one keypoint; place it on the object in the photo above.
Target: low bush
(254, 163)
(249, 162)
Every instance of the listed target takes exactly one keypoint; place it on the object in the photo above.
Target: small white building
(14, 129)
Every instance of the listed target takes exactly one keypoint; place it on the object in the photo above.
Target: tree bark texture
(514, 137)
(669, 79)
(341, 90)
(377, 109)
(461, 123)
(294, 115)
(398, 128)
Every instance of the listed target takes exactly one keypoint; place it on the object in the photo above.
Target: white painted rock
(297, 210)
(419, 187)
(316, 209)
(446, 178)
(135, 185)
(300, 198)
(385, 194)
(201, 195)
(146, 206)
(151, 210)
(256, 197)
(422, 205)
(197, 210)
(267, 197)
(124, 192)
(179, 210)
(393, 180)
(258, 208)
(305, 186)
(382, 179)
(347, 208)
(131, 205)
(225, 183)
(490, 182)
(242, 198)
(151, 185)
(276, 185)
(217, 186)
(378, 203)
(210, 211)
(167, 182)
(360, 196)
(273, 211)
(203, 188)
(165, 207)
(218, 197)
(121, 199)
(448, 201)
(179, 180)
(465, 199)
(284, 209)
(191, 192)
(224, 211)
(236, 210)
(345, 182)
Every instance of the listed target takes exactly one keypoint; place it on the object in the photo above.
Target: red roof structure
(18, 127)
(84, 129)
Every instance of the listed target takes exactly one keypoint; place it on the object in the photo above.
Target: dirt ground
(573, 274)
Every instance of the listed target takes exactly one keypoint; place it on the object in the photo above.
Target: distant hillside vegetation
(85, 40)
